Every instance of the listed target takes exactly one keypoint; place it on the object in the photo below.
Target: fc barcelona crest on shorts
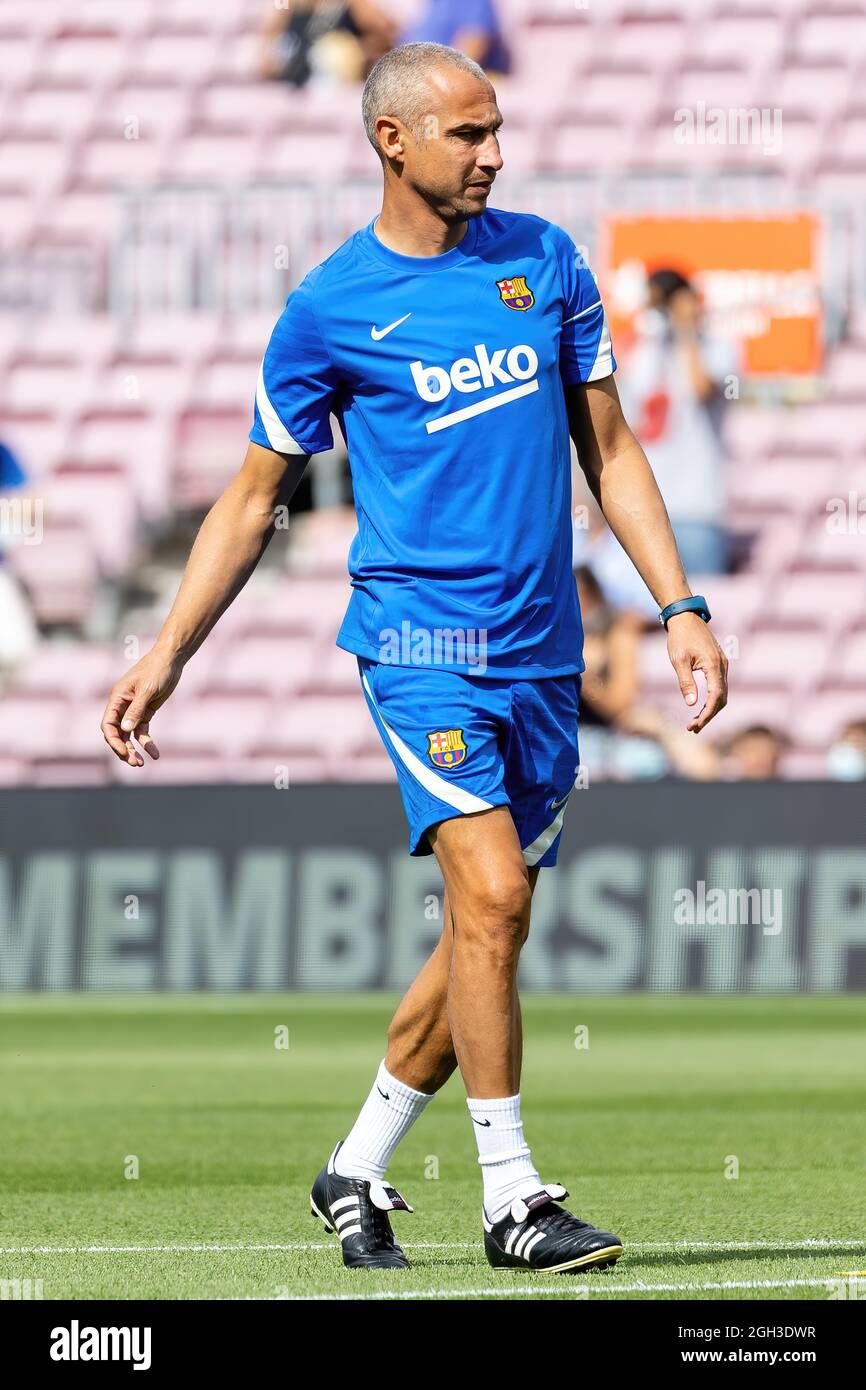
(446, 748)
(516, 293)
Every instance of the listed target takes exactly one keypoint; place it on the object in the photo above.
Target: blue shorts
(463, 743)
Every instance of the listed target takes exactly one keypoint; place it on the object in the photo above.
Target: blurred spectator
(17, 628)
(325, 38)
(755, 754)
(610, 647)
(678, 751)
(846, 759)
(610, 678)
(595, 546)
(609, 689)
(618, 737)
(673, 393)
(470, 25)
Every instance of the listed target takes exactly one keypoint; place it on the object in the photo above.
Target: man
(675, 393)
(457, 346)
(472, 26)
(334, 39)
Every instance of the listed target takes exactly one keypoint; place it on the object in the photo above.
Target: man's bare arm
(623, 484)
(232, 540)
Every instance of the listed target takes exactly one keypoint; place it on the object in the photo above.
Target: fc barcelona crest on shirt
(446, 748)
(515, 293)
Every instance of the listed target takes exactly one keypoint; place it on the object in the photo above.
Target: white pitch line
(809, 1242)
(679, 1246)
(330, 1246)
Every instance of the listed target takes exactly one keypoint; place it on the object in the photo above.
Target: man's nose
(490, 155)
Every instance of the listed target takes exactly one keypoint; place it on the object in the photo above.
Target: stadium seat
(134, 439)
(84, 58)
(153, 110)
(817, 88)
(213, 727)
(822, 36)
(30, 727)
(38, 437)
(42, 111)
(69, 671)
(85, 497)
(830, 600)
(785, 487)
(659, 41)
(211, 156)
(333, 671)
(793, 659)
(263, 665)
(209, 451)
(172, 57)
(850, 664)
(60, 575)
(303, 606)
(822, 718)
(35, 166)
(115, 162)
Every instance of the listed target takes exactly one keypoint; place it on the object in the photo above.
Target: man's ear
(390, 138)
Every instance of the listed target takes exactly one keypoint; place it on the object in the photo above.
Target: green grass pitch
(644, 1127)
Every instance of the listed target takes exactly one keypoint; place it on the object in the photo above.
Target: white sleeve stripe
(278, 436)
(582, 312)
(603, 364)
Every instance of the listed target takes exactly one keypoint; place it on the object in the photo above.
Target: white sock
(503, 1153)
(388, 1113)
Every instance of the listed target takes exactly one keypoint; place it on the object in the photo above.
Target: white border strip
(585, 1291)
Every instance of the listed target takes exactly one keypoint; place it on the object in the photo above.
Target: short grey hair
(397, 86)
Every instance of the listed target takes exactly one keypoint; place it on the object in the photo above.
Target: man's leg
(420, 1051)
(490, 891)
(420, 1048)
(419, 1059)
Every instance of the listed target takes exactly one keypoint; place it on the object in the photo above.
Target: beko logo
(469, 374)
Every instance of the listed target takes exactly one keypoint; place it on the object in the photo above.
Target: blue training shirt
(446, 374)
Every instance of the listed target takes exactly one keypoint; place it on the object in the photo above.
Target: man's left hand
(692, 647)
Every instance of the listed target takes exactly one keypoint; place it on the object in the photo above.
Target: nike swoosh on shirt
(377, 333)
(554, 805)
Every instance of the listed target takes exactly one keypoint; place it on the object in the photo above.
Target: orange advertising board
(758, 275)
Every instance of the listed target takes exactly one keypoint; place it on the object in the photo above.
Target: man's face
(454, 158)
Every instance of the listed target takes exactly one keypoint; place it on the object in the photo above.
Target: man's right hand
(132, 704)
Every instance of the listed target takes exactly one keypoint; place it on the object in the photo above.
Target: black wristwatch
(696, 604)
